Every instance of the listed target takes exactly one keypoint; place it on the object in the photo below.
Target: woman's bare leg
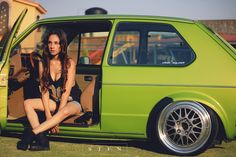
(86, 98)
(31, 105)
(71, 108)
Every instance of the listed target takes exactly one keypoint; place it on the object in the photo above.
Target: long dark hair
(63, 57)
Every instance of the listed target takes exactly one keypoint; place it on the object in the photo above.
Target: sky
(191, 9)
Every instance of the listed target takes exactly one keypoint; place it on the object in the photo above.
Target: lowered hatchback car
(168, 80)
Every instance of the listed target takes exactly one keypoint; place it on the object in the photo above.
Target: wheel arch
(152, 116)
(191, 96)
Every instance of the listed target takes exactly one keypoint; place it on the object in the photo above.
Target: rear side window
(149, 44)
(126, 47)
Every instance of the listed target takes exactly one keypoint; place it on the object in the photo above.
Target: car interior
(86, 45)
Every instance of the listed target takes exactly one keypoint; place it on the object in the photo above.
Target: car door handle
(88, 78)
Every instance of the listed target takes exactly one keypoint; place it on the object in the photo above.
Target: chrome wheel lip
(205, 126)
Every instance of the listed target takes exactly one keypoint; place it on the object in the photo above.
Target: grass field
(86, 148)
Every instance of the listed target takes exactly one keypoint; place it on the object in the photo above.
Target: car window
(20, 55)
(149, 44)
(90, 46)
(126, 47)
(167, 48)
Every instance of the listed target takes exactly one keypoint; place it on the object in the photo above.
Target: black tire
(186, 128)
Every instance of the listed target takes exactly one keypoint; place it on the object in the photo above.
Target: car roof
(118, 17)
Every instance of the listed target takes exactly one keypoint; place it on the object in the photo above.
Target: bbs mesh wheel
(186, 127)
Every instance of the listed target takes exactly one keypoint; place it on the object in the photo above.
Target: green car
(168, 80)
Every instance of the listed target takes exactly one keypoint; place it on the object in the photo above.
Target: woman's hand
(54, 130)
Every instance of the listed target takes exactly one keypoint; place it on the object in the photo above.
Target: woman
(60, 93)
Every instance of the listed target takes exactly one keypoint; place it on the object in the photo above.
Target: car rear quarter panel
(129, 93)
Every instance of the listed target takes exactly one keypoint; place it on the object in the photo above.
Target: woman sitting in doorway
(60, 95)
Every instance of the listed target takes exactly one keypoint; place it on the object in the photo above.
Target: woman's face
(54, 45)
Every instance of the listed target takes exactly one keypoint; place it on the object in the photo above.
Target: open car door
(7, 46)
(4, 68)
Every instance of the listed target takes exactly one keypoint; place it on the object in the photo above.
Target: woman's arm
(45, 95)
(69, 83)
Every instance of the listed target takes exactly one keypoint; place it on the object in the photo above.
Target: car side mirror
(84, 60)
